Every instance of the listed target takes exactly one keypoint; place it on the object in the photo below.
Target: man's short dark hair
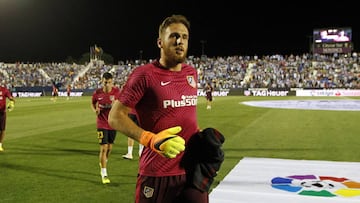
(107, 75)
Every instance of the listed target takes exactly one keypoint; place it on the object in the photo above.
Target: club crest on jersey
(191, 81)
(148, 191)
(112, 97)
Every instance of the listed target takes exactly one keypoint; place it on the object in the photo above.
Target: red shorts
(167, 189)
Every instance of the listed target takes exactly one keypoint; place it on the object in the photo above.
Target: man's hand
(97, 111)
(11, 106)
(167, 142)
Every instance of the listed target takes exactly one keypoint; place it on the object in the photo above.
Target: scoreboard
(332, 40)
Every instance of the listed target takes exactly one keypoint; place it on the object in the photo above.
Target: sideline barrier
(263, 92)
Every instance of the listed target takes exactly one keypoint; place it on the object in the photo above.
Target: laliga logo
(311, 185)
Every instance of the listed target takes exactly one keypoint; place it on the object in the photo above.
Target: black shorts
(209, 97)
(2, 120)
(168, 189)
(106, 136)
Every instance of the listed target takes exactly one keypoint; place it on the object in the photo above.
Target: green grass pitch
(51, 150)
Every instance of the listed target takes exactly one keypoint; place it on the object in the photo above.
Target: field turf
(51, 149)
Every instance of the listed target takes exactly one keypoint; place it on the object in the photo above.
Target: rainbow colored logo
(311, 185)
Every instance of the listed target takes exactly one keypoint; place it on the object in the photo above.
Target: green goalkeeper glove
(167, 142)
(11, 106)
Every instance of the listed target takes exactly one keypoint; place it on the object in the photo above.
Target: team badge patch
(112, 97)
(191, 81)
(148, 191)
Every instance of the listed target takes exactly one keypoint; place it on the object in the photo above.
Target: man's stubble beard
(179, 59)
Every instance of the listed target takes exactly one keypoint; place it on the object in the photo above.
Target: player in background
(209, 98)
(129, 154)
(164, 95)
(4, 95)
(55, 92)
(68, 91)
(101, 102)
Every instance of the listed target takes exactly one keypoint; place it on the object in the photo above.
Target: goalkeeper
(4, 95)
(164, 95)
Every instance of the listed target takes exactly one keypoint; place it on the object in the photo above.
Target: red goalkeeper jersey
(162, 99)
(104, 101)
(4, 93)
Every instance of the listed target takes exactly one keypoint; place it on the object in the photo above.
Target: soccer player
(164, 95)
(4, 93)
(55, 91)
(208, 90)
(102, 100)
(68, 91)
(129, 154)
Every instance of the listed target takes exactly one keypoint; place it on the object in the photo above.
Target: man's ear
(159, 43)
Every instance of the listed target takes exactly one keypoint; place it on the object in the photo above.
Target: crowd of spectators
(276, 71)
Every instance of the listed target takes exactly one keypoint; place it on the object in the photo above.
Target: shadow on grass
(64, 163)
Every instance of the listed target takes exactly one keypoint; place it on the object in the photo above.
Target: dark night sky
(52, 30)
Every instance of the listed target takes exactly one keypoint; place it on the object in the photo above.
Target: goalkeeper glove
(167, 142)
(11, 106)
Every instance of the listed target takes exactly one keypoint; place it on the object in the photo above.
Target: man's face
(107, 83)
(174, 42)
